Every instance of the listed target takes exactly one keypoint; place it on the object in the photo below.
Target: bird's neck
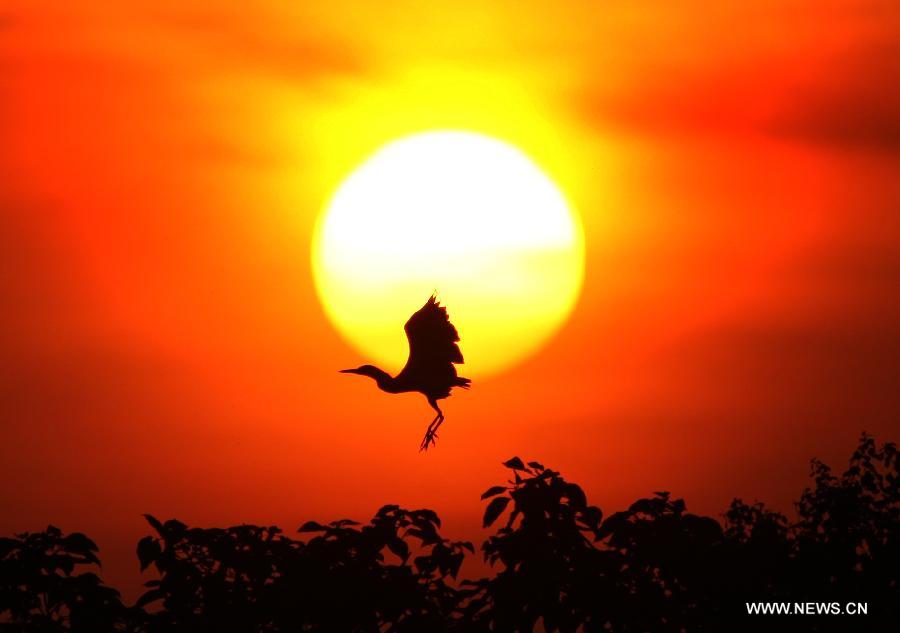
(385, 381)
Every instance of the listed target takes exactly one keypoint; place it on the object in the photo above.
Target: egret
(430, 370)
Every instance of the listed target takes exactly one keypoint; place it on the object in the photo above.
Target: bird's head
(364, 370)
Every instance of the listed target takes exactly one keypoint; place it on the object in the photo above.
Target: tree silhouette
(41, 592)
(642, 569)
(250, 578)
(549, 566)
(558, 565)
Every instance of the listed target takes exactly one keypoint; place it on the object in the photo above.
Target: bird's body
(430, 368)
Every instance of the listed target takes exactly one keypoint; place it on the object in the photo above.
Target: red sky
(162, 348)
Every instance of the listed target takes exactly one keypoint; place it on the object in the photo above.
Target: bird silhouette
(430, 370)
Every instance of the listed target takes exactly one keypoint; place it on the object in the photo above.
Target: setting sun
(462, 214)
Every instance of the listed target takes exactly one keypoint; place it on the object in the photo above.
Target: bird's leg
(433, 427)
(430, 434)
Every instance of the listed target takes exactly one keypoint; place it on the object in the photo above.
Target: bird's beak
(348, 371)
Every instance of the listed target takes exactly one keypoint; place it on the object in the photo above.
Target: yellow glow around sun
(462, 214)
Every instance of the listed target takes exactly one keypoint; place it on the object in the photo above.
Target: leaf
(643, 506)
(591, 516)
(399, 547)
(311, 526)
(431, 538)
(148, 550)
(495, 509)
(152, 520)
(536, 465)
(425, 564)
(493, 491)
(430, 516)
(576, 496)
(515, 463)
(415, 533)
(92, 558)
(174, 527)
(79, 543)
(148, 597)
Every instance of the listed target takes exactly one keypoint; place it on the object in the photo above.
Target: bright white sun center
(462, 214)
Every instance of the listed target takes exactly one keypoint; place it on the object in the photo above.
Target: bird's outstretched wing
(432, 340)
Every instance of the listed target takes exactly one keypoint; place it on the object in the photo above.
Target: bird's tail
(465, 383)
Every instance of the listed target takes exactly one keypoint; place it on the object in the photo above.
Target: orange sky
(162, 348)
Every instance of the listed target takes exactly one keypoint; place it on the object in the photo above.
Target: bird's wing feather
(432, 338)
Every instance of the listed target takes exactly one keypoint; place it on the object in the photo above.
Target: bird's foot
(429, 440)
